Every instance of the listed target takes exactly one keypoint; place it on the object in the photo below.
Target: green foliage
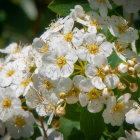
(62, 7)
(92, 125)
(73, 112)
(67, 126)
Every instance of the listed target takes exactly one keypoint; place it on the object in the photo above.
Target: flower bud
(121, 86)
(122, 68)
(130, 63)
(60, 111)
(133, 87)
(131, 71)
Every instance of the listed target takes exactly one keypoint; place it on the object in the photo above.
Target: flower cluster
(70, 63)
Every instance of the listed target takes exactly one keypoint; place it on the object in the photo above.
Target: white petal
(111, 81)
(98, 83)
(90, 70)
(83, 99)
(68, 25)
(103, 10)
(95, 106)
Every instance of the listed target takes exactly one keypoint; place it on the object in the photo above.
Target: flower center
(93, 48)
(68, 37)
(122, 28)
(94, 23)
(48, 84)
(44, 49)
(61, 61)
(74, 91)
(118, 107)
(19, 121)
(26, 82)
(10, 73)
(94, 94)
(101, 1)
(6, 103)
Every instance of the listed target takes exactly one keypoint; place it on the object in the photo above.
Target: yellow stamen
(47, 84)
(61, 61)
(26, 82)
(118, 107)
(68, 37)
(44, 49)
(10, 73)
(20, 122)
(94, 94)
(6, 103)
(93, 49)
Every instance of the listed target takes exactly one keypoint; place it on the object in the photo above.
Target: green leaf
(92, 125)
(73, 112)
(62, 7)
(76, 135)
(66, 127)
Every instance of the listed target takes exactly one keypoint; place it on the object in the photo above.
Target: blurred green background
(22, 20)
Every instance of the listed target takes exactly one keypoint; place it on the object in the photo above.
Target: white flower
(115, 111)
(133, 116)
(8, 103)
(94, 45)
(119, 28)
(69, 88)
(98, 21)
(10, 73)
(134, 135)
(100, 73)
(103, 6)
(20, 124)
(131, 6)
(58, 62)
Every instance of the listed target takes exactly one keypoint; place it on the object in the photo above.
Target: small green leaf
(92, 125)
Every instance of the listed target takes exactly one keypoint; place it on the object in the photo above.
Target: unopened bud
(134, 60)
(131, 71)
(122, 68)
(133, 87)
(130, 63)
(121, 86)
(60, 111)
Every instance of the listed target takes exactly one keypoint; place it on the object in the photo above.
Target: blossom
(94, 45)
(8, 103)
(119, 28)
(100, 73)
(133, 116)
(58, 62)
(116, 109)
(103, 6)
(20, 124)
